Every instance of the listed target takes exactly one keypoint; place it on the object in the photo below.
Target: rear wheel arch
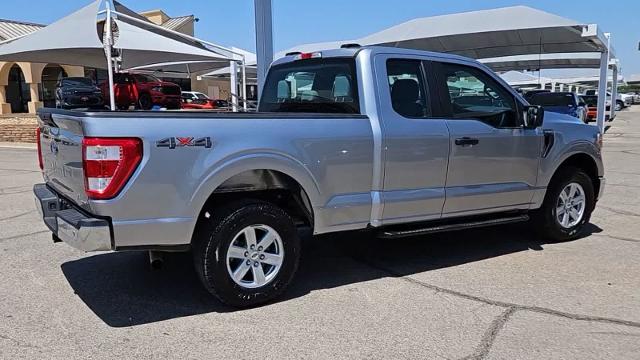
(269, 185)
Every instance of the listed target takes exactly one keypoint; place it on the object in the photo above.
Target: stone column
(4, 107)
(35, 102)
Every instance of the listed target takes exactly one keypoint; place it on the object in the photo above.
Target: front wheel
(619, 105)
(247, 253)
(567, 206)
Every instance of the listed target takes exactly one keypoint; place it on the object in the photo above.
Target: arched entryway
(51, 74)
(18, 95)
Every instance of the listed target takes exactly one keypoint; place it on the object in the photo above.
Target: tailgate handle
(463, 141)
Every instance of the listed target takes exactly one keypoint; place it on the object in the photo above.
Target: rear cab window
(313, 86)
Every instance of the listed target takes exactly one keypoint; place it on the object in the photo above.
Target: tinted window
(552, 99)
(475, 95)
(77, 82)
(313, 85)
(407, 88)
(145, 78)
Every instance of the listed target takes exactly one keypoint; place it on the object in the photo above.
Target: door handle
(463, 141)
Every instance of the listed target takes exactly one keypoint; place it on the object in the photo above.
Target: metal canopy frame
(221, 49)
(517, 30)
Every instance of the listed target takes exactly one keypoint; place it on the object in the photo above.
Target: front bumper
(71, 225)
(603, 182)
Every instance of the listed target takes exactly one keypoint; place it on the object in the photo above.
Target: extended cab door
(494, 160)
(415, 143)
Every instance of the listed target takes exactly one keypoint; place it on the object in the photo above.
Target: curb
(12, 145)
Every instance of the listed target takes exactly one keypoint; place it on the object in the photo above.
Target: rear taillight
(108, 164)
(40, 162)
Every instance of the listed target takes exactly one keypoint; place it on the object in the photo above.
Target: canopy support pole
(244, 85)
(233, 79)
(602, 90)
(264, 39)
(108, 43)
(614, 92)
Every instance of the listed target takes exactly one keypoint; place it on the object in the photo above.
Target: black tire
(216, 234)
(545, 218)
(145, 102)
(619, 105)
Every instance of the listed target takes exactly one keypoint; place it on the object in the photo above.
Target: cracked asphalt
(495, 293)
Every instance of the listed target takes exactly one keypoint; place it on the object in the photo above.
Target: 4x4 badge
(174, 142)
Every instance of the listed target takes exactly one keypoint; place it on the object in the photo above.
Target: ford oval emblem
(54, 148)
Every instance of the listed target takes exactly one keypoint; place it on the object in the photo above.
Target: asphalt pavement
(498, 293)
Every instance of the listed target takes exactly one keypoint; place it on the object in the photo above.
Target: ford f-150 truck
(396, 142)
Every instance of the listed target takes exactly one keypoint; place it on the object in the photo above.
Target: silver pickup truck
(396, 142)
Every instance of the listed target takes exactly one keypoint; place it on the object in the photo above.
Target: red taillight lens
(108, 164)
(40, 162)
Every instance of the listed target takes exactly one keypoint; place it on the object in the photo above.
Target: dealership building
(25, 87)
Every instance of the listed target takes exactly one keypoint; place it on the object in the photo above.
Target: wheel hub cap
(570, 205)
(255, 256)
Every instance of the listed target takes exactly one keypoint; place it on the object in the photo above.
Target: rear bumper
(69, 224)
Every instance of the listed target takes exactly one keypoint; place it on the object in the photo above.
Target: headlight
(157, 88)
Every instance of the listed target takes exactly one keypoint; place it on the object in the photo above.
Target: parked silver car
(392, 141)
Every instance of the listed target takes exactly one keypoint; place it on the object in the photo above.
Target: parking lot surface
(498, 293)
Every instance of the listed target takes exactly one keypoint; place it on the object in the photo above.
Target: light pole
(264, 39)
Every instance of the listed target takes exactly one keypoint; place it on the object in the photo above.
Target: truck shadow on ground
(122, 289)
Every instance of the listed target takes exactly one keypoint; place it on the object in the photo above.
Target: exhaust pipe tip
(156, 260)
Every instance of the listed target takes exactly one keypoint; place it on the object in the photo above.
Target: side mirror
(534, 116)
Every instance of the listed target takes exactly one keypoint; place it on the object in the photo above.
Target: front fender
(558, 156)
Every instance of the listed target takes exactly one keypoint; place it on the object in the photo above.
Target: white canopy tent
(76, 40)
(509, 31)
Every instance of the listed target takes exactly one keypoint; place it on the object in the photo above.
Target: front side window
(312, 85)
(407, 88)
(475, 95)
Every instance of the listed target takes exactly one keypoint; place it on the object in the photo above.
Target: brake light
(108, 164)
(304, 56)
(39, 146)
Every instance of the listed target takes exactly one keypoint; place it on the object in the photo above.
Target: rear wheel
(567, 206)
(247, 253)
(145, 102)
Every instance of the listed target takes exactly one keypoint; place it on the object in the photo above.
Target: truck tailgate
(61, 147)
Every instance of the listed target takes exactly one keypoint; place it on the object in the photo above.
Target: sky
(231, 22)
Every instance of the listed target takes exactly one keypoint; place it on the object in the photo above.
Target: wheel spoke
(572, 191)
(267, 240)
(272, 259)
(565, 219)
(250, 236)
(563, 196)
(578, 199)
(241, 271)
(237, 252)
(575, 214)
(258, 275)
(560, 210)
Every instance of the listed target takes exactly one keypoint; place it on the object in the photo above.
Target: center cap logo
(254, 255)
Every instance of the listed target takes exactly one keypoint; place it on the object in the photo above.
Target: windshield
(313, 85)
(590, 100)
(552, 99)
(77, 82)
(201, 96)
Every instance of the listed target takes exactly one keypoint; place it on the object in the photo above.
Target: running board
(390, 234)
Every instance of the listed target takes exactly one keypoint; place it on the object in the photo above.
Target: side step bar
(390, 234)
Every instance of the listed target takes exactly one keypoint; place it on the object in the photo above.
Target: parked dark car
(143, 92)
(78, 92)
(561, 102)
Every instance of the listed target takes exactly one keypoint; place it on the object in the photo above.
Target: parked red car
(143, 92)
(200, 101)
